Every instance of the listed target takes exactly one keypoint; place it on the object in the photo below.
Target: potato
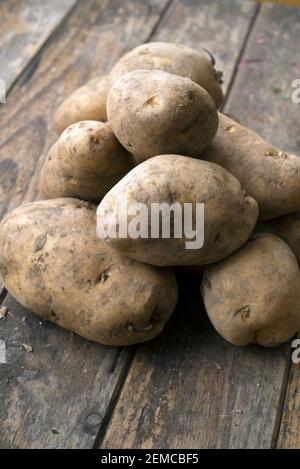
(52, 262)
(286, 228)
(253, 296)
(271, 176)
(86, 103)
(229, 213)
(85, 162)
(175, 59)
(153, 112)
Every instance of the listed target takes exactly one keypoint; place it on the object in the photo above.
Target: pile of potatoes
(151, 132)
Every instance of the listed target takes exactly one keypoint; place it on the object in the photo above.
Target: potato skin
(269, 175)
(174, 178)
(286, 228)
(153, 112)
(85, 162)
(54, 264)
(86, 103)
(176, 59)
(253, 296)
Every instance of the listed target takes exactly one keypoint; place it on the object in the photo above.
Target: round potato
(179, 183)
(86, 103)
(53, 263)
(85, 162)
(253, 296)
(269, 175)
(153, 112)
(176, 59)
(286, 228)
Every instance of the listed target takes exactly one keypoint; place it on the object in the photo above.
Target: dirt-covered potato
(176, 59)
(85, 162)
(153, 112)
(53, 263)
(271, 176)
(86, 103)
(287, 228)
(229, 213)
(253, 296)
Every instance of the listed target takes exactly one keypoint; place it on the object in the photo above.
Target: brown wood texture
(190, 388)
(25, 26)
(58, 395)
(275, 61)
(289, 435)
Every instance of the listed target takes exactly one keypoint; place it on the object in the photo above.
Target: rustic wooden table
(189, 388)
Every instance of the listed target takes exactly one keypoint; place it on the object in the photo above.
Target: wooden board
(57, 395)
(47, 399)
(289, 433)
(25, 26)
(220, 27)
(190, 388)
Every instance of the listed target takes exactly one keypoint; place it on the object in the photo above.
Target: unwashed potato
(153, 112)
(53, 263)
(287, 228)
(271, 176)
(253, 296)
(229, 213)
(86, 103)
(176, 59)
(85, 162)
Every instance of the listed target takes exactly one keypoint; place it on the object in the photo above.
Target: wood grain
(261, 95)
(59, 395)
(220, 27)
(25, 26)
(190, 388)
(289, 433)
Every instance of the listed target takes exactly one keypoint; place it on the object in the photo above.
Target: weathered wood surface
(276, 62)
(220, 27)
(56, 395)
(289, 435)
(190, 388)
(47, 398)
(25, 26)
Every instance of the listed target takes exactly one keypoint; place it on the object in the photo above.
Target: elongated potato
(176, 59)
(286, 228)
(271, 176)
(253, 296)
(85, 162)
(229, 213)
(153, 112)
(53, 263)
(86, 103)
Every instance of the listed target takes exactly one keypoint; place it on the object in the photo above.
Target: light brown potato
(86, 103)
(286, 228)
(229, 213)
(53, 263)
(271, 176)
(85, 162)
(153, 112)
(176, 59)
(253, 296)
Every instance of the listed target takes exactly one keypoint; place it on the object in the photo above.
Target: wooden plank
(190, 388)
(280, 123)
(55, 396)
(220, 27)
(289, 433)
(48, 389)
(270, 64)
(25, 26)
